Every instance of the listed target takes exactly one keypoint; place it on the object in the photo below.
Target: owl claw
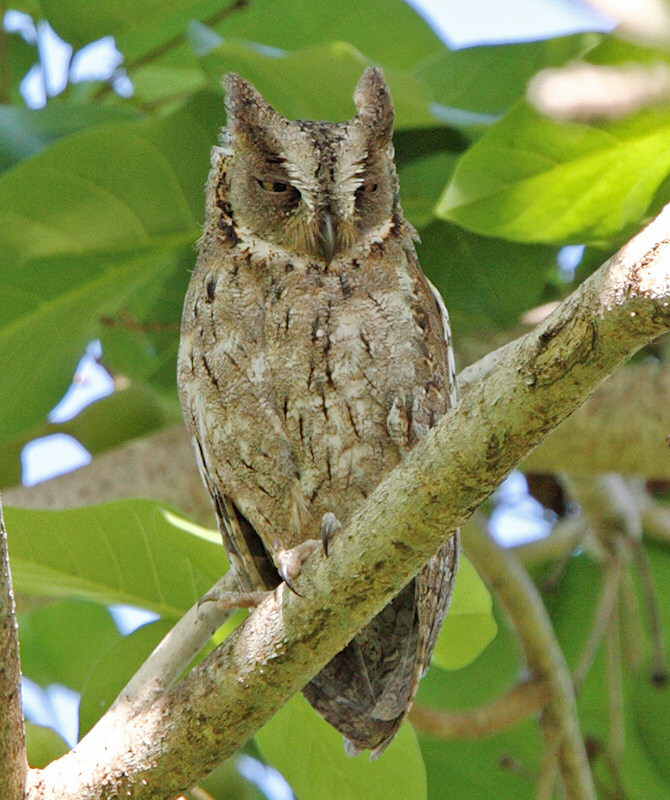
(289, 562)
(229, 600)
(330, 525)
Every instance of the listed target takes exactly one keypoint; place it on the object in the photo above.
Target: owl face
(315, 188)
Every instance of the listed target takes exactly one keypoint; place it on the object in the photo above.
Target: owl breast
(345, 347)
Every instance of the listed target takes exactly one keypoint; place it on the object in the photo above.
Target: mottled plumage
(314, 353)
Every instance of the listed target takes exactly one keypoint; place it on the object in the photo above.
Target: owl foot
(330, 525)
(229, 600)
(289, 562)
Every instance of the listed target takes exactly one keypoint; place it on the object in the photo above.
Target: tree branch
(13, 760)
(559, 724)
(503, 713)
(223, 701)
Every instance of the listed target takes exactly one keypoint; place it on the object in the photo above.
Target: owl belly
(336, 374)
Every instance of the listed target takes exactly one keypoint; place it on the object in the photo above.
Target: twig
(173, 654)
(175, 41)
(601, 623)
(659, 669)
(506, 711)
(223, 701)
(559, 724)
(13, 759)
(615, 703)
(564, 538)
(630, 616)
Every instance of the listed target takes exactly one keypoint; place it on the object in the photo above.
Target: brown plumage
(314, 353)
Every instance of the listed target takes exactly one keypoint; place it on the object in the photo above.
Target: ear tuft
(374, 105)
(245, 105)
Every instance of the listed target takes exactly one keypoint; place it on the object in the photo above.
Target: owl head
(315, 188)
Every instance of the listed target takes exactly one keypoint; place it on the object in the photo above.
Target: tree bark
(13, 760)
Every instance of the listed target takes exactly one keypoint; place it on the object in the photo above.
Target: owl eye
(277, 187)
(368, 188)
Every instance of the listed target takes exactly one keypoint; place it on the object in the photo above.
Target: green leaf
(481, 681)
(651, 714)
(114, 668)
(19, 57)
(62, 301)
(44, 745)
(130, 551)
(126, 414)
(491, 78)
(51, 635)
(316, 82)
(310, 755)
(26, 131)
(530, 179)
(469, 625)
(475, 769)
(486, 283)
(112, 234)
(421, 183)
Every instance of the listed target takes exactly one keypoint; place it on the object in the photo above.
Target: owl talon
(289, 562)
(330, 525)
(229, 600)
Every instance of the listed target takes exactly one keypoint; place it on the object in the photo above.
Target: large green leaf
(142, 27)
(490, 79)
(130, 551)
(110, 237)
(477, 769)
(530, 179)
(421, 183)
(27, 131)
(486, 283)
(316, 82)
(310, 755)
(114, 668)
(44, 745)
(62, 301)
(49, 636)
(469, 626)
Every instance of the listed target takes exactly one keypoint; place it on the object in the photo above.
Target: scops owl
(314, 353)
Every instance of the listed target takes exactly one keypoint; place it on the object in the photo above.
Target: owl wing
(367, 690)
(432, 588)
(243, 453)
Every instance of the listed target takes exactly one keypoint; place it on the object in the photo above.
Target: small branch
(172, 655)
(659, 667)
(160, 467)
(615, 702)
(501, 714)
(565, 537)
(172, 43)
(601, 623)
(559, 724)
(630, 621)
(13, 759)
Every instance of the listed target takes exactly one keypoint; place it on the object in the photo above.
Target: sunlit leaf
(530, 179)
(469, 625)
(122, 552)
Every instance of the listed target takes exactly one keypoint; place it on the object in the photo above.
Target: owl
(314, 354)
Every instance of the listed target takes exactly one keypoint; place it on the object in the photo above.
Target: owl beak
(327, 236)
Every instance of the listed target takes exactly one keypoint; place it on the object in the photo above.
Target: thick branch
(231, 693)
(13, 761)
